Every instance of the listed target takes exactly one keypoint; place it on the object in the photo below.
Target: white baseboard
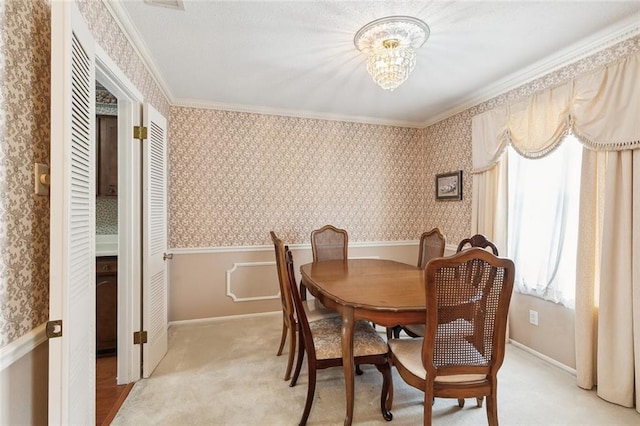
(22, 346)
(218, 319)
(543, 357)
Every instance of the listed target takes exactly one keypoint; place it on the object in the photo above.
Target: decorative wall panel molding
(252, 284)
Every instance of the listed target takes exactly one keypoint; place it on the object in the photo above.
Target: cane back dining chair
(473, 286)
(329, 243)
(289, 324)
(478, 240)
(322, 341)
(432, 244)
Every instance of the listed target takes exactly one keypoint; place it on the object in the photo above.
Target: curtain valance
(602, 108)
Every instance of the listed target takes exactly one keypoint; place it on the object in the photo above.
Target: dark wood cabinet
(107, 155)
(106, 305)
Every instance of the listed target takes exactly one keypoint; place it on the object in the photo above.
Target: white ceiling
(297, 57)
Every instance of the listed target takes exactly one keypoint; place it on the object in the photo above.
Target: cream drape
(489, 204)
(608, 288)
(602, 108)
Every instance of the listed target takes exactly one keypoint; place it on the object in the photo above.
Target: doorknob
(166, 256)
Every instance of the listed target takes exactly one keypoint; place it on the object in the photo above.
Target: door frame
(129, 214)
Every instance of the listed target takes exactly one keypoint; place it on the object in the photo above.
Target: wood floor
(109, 396)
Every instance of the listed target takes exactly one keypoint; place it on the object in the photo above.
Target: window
(544, 198)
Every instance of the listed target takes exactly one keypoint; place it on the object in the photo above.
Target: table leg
(347, 360)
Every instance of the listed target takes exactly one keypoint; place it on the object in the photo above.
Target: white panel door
(154, 282)
(72, 242)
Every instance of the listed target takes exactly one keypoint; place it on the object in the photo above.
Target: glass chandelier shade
(390, 45)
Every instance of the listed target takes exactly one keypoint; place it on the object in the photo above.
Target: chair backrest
(329, 243)
(431, 245)
(283, 277)
(470, 290)
(478, 240)
(301, 314)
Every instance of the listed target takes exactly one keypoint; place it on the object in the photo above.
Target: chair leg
(396, 331)
(386, 397)
(292, 352)
(479, 401)
(359, 371)
(428, 404)
(296, 373)
(284, 336)
(492, 408)
(461, 402)
(311, 389)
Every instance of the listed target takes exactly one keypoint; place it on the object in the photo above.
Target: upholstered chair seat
(328, 342)
(409, 353)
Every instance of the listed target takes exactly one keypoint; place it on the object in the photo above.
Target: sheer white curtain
(543, 221)
(602, 108)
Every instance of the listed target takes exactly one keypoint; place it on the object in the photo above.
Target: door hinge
(139, 337)
(139, 132)
(54, 329)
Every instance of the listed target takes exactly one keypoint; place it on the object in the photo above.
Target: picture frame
(449, 186)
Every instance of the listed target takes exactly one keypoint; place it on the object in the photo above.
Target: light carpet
(226, 373)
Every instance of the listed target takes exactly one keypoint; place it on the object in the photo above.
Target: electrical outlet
(533, 317)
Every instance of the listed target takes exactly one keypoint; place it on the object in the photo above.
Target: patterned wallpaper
(449, 149)
(24, 140)
(239, 175)
(25, 50)
(108, 35)
(233, 177)
(106, 216)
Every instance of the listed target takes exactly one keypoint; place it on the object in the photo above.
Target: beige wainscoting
(553, 337)
(218, 282)
(24, 381)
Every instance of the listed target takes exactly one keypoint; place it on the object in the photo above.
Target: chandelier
(390, 44)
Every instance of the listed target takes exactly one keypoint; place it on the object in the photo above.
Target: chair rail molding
(22, 346)
(233, 249)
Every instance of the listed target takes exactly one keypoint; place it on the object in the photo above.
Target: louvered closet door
(72, 235)
(155, 290)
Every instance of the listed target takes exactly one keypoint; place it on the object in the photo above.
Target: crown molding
(129, 30)
(125, 23)
(601, 40)
(253, 109)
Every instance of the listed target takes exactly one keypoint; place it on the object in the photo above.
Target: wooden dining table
(385, 292)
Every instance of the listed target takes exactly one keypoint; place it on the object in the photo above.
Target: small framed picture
(449, 186)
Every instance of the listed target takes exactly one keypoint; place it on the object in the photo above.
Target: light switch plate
(41, 175)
